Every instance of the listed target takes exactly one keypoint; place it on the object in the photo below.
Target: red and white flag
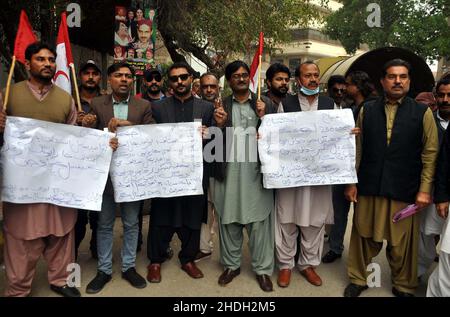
(64, 58)
(254, 68)
(24, 37)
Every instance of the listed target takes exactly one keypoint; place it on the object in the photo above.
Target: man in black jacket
(182, 215)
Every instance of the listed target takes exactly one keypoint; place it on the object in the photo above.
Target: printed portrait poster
(135, 36)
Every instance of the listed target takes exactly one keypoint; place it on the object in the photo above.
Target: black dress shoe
(398, 293)
(97, 284)
(353, 290)
(228, 275)
(66, 290)
(330, 257)
(134, 278)
(264, 282)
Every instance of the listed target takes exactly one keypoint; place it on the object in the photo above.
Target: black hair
(396, 62)
(362, 81)
(208, 74)
(36, 47)
(116, 66)
(233, 67)
(180, 65)
(297, 70)
(277, 68)
(443, 81)
(335, 79)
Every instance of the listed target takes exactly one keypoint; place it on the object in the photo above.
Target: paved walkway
(176, 282)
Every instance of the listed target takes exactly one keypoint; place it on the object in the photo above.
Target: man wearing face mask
(309, 208)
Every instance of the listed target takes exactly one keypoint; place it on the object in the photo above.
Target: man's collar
(439, 116)
(249, 98)
(115, 102)
(188, 99)
(397, 102)
(36, 88)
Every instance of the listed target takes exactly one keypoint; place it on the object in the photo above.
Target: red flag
(254, 68)
(24, 37)
(64, 57)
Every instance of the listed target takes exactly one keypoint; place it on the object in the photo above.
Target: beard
(154, 89)
(279, 92)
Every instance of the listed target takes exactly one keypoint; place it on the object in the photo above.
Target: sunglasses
(152, 77)
(339, 90)
(183, 77)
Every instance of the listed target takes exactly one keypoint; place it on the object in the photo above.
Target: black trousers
(84, 217)
(159, 238)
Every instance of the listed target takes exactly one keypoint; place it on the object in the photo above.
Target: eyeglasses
(183, 77)
(120, 75)
(152, 77)
(239, 76)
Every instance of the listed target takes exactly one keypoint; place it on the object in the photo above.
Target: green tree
(215, 30)
(420, 26)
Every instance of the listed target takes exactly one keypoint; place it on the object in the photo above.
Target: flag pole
(259, 77)
(77, 93)
(8, 83)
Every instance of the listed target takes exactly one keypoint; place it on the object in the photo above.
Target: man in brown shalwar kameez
(32, 230)
(396, 157)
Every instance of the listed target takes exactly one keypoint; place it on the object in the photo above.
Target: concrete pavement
(177, 283)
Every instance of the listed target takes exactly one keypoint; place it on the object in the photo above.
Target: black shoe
(66, 291)
(134, 278)
(97, 284)
(398, 293)
(353, 290)
(330, 257)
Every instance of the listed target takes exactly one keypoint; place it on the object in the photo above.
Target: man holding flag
(239, 198)
(32, 230)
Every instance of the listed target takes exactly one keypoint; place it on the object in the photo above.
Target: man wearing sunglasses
(337, 90)
(181, 215)
(153, 82)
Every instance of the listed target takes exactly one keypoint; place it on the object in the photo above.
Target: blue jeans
(105, 233)
(341, 207)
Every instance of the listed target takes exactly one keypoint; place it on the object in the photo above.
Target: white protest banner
(158, 160)
(307, 148)
(60, 164)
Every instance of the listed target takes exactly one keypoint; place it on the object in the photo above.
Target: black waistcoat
(392, 171)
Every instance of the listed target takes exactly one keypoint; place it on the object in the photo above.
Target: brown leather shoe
(264, 282)
(311, 276)
(284, 277)
(192, 270)
(154, 273)
(228, 275)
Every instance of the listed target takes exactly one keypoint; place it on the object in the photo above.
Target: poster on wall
(135, 35)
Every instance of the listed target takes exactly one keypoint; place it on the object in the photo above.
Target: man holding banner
(308, 207)
(182, 215)
(239, 197)
(32, 230)
(112, 111)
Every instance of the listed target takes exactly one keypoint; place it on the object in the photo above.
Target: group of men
(401, 156)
